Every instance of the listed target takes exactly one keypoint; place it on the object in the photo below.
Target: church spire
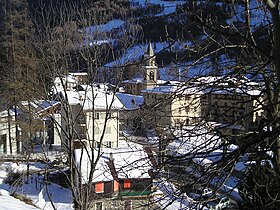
(150, 51)
(149, 56)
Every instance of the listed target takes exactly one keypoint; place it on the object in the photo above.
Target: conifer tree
(18, 64)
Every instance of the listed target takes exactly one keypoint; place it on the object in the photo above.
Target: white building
(130, 114)
(32, 123)
(8, 143)
(90, 115)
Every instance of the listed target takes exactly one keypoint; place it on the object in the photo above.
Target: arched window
(151, 75)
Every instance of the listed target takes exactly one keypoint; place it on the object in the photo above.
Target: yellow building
(172, 105)
(179, 104)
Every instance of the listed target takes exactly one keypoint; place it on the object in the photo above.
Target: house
(232, 101)
(151, 76)
(80, 77)
(8, 141)
(130, 114)
(121, 179)
(90, 114)
(31, 123)
(214, 99)
(172, 105)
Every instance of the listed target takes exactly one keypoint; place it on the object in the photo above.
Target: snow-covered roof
(134, 81)
(129, 159)
(68, 79)
(172, 88)
(4, 113)
(39, 105)
(225, 125)
(213, 86)
(97, 98)
(232, 91)
(193, 140)
(78, 73)
(220, 79)
(36, 107)
(130, 102)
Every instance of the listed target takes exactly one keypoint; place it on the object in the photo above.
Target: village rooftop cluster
(114, 120)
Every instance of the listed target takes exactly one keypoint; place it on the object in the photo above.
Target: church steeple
(150, 50)
(149, 57)
(151, 69)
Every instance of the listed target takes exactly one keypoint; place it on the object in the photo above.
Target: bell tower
(150, 67)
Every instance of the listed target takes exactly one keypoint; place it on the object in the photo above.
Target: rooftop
(130, 102)
(129, 159)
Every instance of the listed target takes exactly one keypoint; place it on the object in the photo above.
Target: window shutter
(99, 187)
(116, 186)
(126, 184)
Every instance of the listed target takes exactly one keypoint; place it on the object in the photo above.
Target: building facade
(189, 103)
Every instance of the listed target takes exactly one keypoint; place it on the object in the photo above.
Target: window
(102, 115)
(126, 184)
(187, 97)
(108, 144)
(151, 76)
(3, 145)
(177, 121)
(98, 206)
(204, 97)
(97, 115)
(99, 187)
(180, 110)
(97, 144)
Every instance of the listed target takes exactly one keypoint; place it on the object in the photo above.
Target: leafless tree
(244, 35)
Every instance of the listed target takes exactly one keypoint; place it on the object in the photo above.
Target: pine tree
(18, 64)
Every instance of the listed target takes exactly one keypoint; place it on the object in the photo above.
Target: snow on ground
(107, 27)
(8, 202)
(257, 17)
(32, 188)
(170, 198)
(190, 140)
(137, 51)
(134, 53)
(169, 6)
(189, 143)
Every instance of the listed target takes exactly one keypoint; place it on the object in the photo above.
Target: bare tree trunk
(273, 8)
(9, 131)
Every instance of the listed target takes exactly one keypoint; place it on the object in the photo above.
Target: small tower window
(151, 76)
